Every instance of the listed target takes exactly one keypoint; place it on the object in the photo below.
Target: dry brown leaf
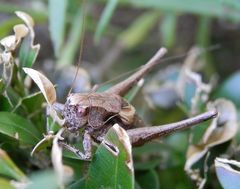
(43, 83)
(188, 74)
(9, 42)
(29, 23)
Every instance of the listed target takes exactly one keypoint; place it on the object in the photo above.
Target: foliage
(30, 156)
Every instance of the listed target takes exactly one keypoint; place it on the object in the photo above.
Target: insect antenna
(171, 58)
(81, 46)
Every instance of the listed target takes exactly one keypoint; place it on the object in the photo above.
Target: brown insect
(95, 113)
(96, 109)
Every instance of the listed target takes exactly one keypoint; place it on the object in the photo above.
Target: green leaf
(31, 102)
(32, 106)
(78, 166)
(168, 29)
(1, 86)
(203, 32)
(136, 33)
(44, 179)
(148, 179)
(18, 128)
(42, 144)
(52, 126)
(57, 17)
(111, 167)
(77, 185)
(6, 184)
(105, 18)
(28, 52)
(5, 105)
(148, 164)
(8, 167)
(200, 7)
(7, 26)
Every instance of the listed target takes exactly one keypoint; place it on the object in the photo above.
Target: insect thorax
(73, 120)
(90, 109)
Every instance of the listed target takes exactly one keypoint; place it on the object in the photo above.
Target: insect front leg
(87, 147)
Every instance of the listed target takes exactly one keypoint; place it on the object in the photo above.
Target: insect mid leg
(87, 146)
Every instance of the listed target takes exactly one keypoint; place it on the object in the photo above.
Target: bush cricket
(95, 112)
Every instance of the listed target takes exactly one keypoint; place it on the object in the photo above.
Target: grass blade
(105, 18)
(57, 17)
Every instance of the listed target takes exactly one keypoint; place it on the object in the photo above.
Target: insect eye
(81, 111)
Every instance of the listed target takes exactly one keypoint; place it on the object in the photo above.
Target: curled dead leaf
(26, 18)
(47, 138)
(188, 74)
(9, 43)
(28, 51)
(173, 83)
(43, 83)
(6, 68)
(222, 129)
(125, 140)
(228, 173)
